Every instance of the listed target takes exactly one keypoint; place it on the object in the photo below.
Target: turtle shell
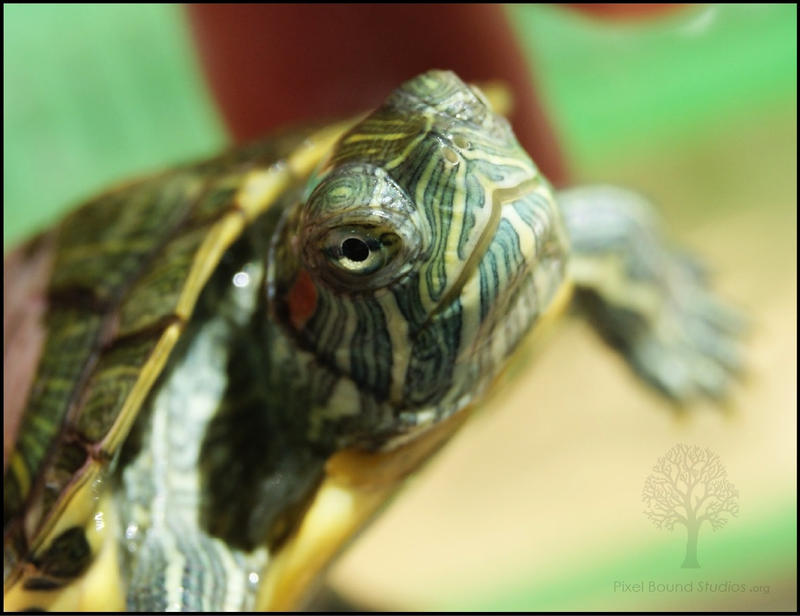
(122, 276)
(126, 270)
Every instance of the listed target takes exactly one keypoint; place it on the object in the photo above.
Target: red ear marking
(302, 300)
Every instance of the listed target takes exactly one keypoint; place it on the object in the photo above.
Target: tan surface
(550, 478)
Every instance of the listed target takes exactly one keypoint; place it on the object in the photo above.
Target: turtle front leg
(647, 298)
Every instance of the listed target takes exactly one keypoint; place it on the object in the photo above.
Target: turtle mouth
(514, 274)
(501, 197)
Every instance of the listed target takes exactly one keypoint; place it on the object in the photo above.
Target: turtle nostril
(355, 249)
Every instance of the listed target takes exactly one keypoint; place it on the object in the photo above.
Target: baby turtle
(244, 357)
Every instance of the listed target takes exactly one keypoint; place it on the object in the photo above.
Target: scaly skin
(387, 289)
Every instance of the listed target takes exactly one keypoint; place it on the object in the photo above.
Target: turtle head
(427, 247)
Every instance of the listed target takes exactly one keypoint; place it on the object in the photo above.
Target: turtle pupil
(355, 249)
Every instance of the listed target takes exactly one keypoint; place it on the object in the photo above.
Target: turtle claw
(681, 372)
(719, 315)
(690, 347)
(718, 343)
(648, 298)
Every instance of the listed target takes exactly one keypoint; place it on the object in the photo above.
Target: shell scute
(128, 267)
(103, 246)
(110, 385)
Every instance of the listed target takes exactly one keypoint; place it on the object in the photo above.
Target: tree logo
(689, 486)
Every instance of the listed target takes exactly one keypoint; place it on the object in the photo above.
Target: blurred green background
(696, 108)
(97, 93)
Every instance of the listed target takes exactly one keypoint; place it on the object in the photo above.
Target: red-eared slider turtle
(244, 357)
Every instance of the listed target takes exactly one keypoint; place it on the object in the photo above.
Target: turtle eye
(356, 252)
(358, 232)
